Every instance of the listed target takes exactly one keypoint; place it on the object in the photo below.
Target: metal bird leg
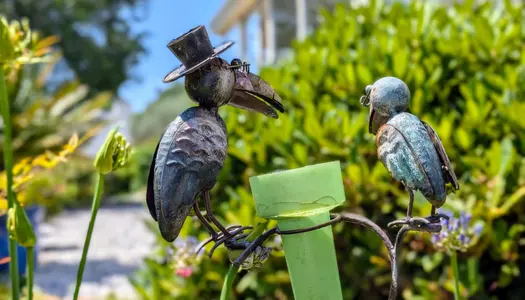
(435, 217)
(414, 222)
(204, 221)
(393, 248)
(229, 236)
(234, 233)
(211, 216)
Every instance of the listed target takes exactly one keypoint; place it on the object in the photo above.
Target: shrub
(45, 125)
(465, 68)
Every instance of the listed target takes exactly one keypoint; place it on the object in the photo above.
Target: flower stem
(455, 271)
(94, 209)
(228, 282)
(30, 271)
(8, 164)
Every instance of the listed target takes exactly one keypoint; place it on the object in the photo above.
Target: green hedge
(465, 69)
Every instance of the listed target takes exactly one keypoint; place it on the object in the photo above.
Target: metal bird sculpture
(408, 147)
(192, 150)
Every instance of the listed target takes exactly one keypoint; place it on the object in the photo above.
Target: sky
(166, 20)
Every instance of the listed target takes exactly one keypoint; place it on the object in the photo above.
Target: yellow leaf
(73, 141)
(21, 166)
(3, 206)
(47, 42)
(41, 161)
(378, 261)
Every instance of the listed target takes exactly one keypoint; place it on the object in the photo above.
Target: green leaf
(400, 59)
(364, 75)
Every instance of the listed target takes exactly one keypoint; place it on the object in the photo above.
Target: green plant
(111, 156)
(31, 175)
(457, 235)
(21, 47)
(465, 67)
(43, 120)
(18, 47)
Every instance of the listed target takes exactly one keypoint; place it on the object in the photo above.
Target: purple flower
(453, 224)
(445, 212)
(462, 238)
(435, 238)
(464, 219)
(457, 233)
(478, 228)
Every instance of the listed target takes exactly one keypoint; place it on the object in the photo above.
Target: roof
(232, 13)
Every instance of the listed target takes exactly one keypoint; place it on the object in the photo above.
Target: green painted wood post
(301, 198)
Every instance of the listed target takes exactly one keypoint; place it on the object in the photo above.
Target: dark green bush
(465, 69)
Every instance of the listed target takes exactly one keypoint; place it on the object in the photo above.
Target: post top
(298, 192)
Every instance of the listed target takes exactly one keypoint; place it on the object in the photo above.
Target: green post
(301, 198)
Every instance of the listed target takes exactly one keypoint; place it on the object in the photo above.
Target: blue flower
(464, 219)
(457, 233)
(478, 229)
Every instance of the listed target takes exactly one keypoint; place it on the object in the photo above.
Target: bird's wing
(401, 160)
(190, 156)
(450, 176)
(150, 198)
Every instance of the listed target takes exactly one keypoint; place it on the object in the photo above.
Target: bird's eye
(236, 62)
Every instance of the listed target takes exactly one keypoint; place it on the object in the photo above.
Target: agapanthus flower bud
(113, 154)
(19, 227)
(257, 258)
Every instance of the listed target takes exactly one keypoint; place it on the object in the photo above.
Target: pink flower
(184, 272)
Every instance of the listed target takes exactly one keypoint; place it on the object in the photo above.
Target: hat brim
(182, 70)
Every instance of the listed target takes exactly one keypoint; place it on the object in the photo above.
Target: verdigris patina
(408, 147)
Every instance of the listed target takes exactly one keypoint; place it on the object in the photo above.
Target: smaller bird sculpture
(409, 148)
(191, 153)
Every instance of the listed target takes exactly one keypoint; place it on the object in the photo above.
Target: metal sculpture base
(234, 240)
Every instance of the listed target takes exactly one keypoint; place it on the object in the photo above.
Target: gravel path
(119, 243)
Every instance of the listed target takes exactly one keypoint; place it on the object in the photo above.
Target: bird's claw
(236, 232)
(436, 218)
(418, 224)
(411, 221)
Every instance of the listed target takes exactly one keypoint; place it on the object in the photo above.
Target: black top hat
(194, 50)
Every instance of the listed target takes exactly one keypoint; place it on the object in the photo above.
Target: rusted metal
(192, 150)
(392, 247)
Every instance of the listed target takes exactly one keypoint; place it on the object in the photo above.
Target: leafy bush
(43, 120)
(465, 67)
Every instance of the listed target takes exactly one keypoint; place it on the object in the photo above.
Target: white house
(279, 22)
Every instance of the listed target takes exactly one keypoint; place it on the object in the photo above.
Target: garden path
(119, 243)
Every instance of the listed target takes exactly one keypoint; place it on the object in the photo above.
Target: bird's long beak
(370, 120)
(252, 93)
(375, 120)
